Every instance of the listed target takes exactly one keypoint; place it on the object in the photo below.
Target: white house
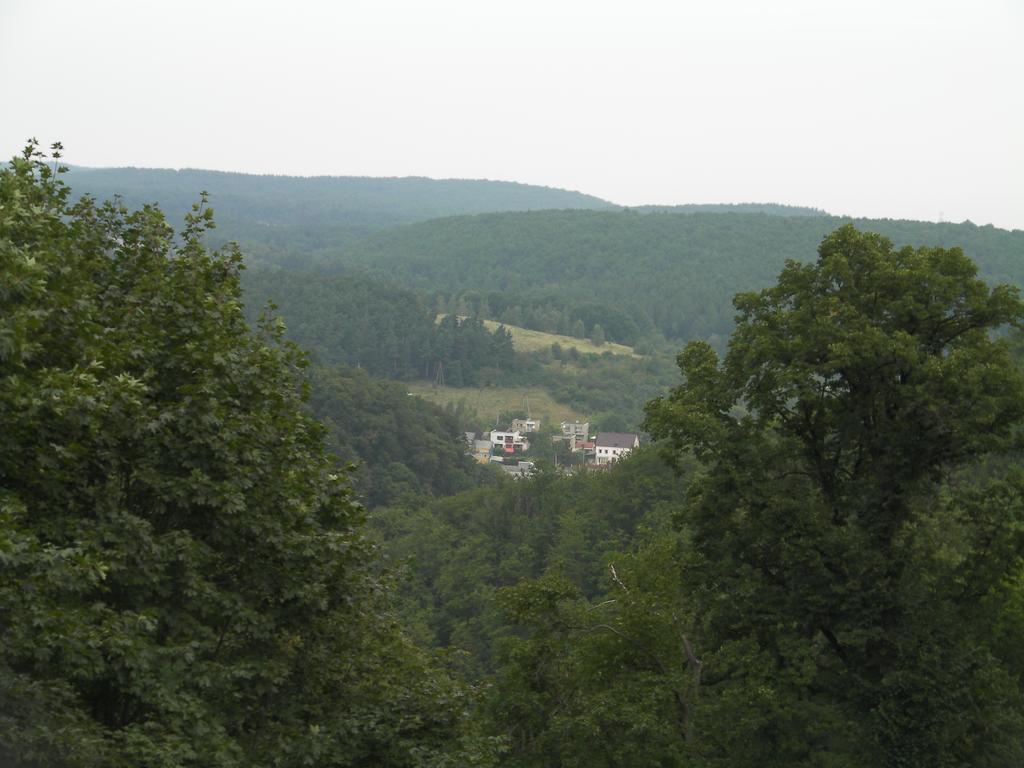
(509, 442)
(612, 446)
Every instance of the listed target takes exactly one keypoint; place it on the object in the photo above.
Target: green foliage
(183, 580)
(389, 332)
(465, 547)
(283, 219)
(611, 388)
(846, 592)
(392, 333)
(671, 272)
(603, 682)
(403, 445)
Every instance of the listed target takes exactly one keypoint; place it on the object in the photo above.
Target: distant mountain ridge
(281, 220)
(769, 209)
(282, 200)
(556, 256)
(316, 200)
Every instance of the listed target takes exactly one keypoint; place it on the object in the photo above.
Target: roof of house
(616, 439)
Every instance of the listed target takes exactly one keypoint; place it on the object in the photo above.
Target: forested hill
(770, 209)
(387, 331)
(675, 273)
(402, 445)
(297, 214)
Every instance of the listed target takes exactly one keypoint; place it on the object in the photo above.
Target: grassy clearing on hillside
(488, 401)
(525, 340)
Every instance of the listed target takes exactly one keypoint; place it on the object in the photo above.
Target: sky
(898, 109)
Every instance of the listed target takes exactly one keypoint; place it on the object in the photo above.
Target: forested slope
(490, 539)
(674, 273)
(401, 445)
(388, 331)
(771, 209)
(391, 333)
(283, 217)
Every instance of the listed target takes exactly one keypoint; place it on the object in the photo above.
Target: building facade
(508, 441)
(525, 425)
(578, 429)
(612, 446)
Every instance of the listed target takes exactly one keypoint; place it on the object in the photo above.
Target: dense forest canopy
(390, 332)
(402, 446)
(673, 273)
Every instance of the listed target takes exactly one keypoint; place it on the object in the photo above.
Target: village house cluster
(508, 447)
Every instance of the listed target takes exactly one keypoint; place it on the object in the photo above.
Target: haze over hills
(281, 218)
(546, 258)
(373, 202)
(362, 203)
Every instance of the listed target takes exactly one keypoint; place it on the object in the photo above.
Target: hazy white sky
(902, 108)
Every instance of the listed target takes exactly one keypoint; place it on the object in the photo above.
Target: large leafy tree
(849, 576)
(183, 580)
